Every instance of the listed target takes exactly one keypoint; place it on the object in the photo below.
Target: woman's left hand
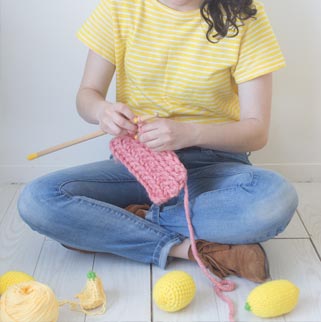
(164, 134)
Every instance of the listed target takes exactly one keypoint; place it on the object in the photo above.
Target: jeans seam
(253, 181)
(164, 236)
(216, 175)
(234, 187)
(61, 189)
(122, 214)
(180, 203)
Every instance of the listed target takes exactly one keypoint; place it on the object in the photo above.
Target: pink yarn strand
(163, 176)
(219, 286)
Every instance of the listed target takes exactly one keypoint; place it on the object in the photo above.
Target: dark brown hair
(224, 17)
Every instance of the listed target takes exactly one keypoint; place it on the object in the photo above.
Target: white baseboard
(23, 174)
(295, 172)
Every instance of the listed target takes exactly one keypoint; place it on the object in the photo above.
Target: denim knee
(273, 212)
(258, 210)
(33, 204)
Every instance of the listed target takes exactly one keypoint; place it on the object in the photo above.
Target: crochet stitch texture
(161, 173)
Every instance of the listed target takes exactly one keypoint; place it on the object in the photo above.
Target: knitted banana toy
(272, 299)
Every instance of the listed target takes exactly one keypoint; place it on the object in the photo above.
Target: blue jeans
(231, 202)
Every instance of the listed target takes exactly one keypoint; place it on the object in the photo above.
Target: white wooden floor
(294, 255)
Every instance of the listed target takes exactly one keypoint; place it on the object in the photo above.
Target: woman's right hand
(116, 119)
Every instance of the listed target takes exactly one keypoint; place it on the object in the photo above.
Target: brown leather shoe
(248, 261)
(138, 210)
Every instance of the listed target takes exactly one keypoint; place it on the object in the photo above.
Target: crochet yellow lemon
(273, 299)
(174, 291)
(11, 278)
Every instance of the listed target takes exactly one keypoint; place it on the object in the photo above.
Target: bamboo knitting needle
(87, 137)
(144, 118)
(67, 144)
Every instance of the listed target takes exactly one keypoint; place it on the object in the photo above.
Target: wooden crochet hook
(87, 137)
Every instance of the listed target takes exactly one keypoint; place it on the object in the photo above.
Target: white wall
(42, 64)
(295, 137)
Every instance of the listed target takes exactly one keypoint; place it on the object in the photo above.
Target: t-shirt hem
(260, 73)
(95, 49)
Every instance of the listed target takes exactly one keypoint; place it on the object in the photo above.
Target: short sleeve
(97, 32)
(259, 51)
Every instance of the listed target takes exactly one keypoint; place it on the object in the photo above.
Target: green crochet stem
(247, 307)
(91, 275)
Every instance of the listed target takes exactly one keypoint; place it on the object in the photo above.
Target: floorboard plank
(310, 210)
(7, 193)
(204, 305)
(64, 271)
(127, 286)
(20, 246)
(295, 229)
(296, 261)
(239, 297)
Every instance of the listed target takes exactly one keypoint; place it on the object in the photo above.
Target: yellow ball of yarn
(174, 291)
(29, 302)
(273, 299)
(11, 278)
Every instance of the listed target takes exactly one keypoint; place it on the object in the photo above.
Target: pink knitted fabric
(163, 176)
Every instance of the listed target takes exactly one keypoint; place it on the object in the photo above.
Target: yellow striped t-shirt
(165, 64)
